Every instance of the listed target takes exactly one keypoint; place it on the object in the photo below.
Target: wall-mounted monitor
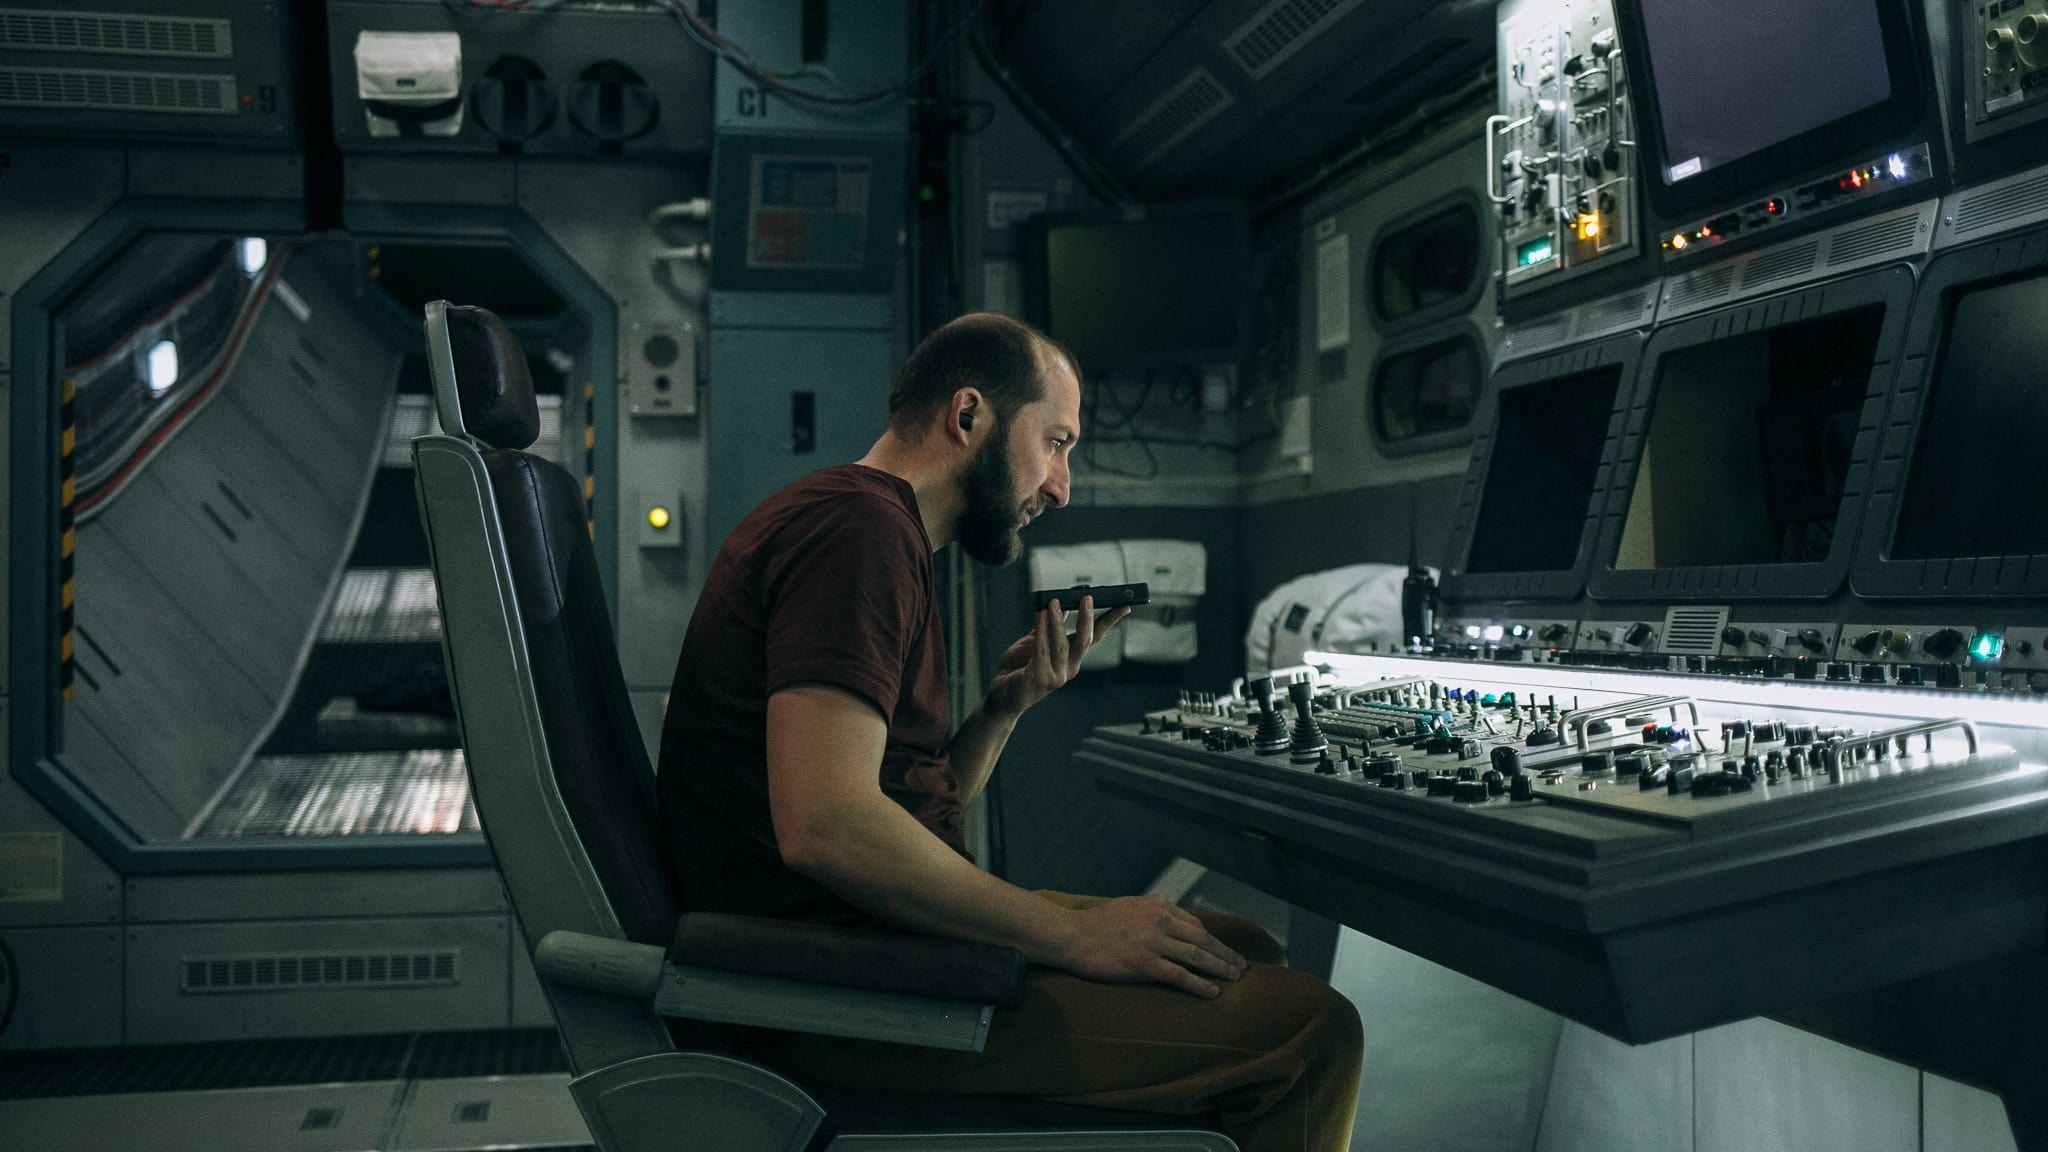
(1523, 529)
(1959, 480)
(1746, 457)
(1742, 99)
(1155, 286)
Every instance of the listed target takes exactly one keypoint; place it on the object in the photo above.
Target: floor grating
(347, 794)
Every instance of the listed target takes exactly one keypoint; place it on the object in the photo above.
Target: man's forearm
(976, 747)
(878, 858)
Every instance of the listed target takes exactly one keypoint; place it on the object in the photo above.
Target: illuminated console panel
(1648, 855)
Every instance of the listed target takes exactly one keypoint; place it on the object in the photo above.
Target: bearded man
(810, 770)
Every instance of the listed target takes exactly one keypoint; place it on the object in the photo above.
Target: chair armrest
(638, 972)
(873, 959)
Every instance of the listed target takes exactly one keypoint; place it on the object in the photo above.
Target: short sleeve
(847, 596)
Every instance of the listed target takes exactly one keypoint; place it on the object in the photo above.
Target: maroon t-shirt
(828, 582)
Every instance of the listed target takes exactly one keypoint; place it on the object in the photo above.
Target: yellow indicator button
(657, 517)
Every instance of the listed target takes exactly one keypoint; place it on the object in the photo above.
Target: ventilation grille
(1192, 103)
(24, 28)
(1875, 239)
(1699, 287)
(99, 91)
(1631, 310)
(275, 971)
(1279, 30)
(1544, 333)
(1784, 264)
(1997, 206)
(1694, 631)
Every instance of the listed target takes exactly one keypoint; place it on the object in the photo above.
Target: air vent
(1701, 287)
(1626, 311)
(100, 91)
(1279, 30)
(1694, 631)
(1174, 117)
(286, 971)
(1995, 206)
(1540, 334)
(30, 30)
(1783, 264)
(1874, 239)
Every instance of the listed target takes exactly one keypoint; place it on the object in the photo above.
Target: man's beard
(988, 525)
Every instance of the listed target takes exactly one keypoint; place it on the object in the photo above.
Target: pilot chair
(642, 991)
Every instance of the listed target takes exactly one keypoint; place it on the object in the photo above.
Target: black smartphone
(1106, 596)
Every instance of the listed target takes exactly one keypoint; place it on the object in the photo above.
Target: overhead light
(163, 367)
(254, 253)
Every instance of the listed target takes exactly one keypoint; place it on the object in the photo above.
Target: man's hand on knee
(1136, 939)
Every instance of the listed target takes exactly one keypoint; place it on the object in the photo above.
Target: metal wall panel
(311, 895)
(529, 1003)
(1450, 1063)
(1606, 1094)
(1767, 1087)
(88, 891)
(116, 781)
(1958, 1118)
(159, 1012)
(70, 987)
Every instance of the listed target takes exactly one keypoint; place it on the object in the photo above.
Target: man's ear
(968, 406)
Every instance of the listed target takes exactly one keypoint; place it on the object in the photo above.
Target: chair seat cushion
(875, 959)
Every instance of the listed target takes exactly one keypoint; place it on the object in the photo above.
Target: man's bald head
(1006, 360)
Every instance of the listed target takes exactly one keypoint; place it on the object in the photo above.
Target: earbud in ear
(966, 421)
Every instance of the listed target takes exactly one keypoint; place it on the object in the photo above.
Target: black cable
(10, 973)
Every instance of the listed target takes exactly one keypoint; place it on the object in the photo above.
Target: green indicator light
(1534, 252)
(1987, 646)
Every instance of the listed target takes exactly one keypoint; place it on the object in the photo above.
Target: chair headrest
(481, 385)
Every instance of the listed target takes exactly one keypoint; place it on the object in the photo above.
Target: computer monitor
(1737, 96)
(1953, 508)
(1159, 286)
(1523, 528)
(1749, 443)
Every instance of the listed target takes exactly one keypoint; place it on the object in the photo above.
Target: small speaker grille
(1694, 630)
(280, 971)
(124, 35)
(101, 91)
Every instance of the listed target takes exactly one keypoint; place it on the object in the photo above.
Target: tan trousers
(1276, 1056)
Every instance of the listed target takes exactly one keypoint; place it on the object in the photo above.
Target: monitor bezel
(1038, 275)
(1890, 286)
(1624, 350)
(1899, 120)
(1952, 273)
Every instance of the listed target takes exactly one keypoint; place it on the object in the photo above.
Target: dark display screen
(1734, 77)
(1539, 479)
(1979, 470)
(1167, 289)
(1749, 446)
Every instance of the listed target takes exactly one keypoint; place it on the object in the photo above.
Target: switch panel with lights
(2005, 65)
(1560, 155)
(1772, 212)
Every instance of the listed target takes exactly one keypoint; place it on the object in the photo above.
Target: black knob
(1868, 642)
(612, 105)
(1795, 763)
(1520, 787)
(1638, 635)
(1948, 676)
(1383, 766)
(1508, 759)
(1470, 749)
(1653, 777)
(1469, 792)
(1812, 640)
(1597, 763)
(1912, 675)
(1468, 772)
(1838, 672)
(1876, 674)
(1543, 735)
(1752, 768)
(1495, 782)
(1395, 780)
(1626, 766)
(1805, 669)
(1733, 636)
(1681, 778)
(1943, 645)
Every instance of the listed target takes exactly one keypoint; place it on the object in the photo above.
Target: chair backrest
(557, 770)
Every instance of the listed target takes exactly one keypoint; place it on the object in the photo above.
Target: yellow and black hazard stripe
(67, 534)
(590, 458)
